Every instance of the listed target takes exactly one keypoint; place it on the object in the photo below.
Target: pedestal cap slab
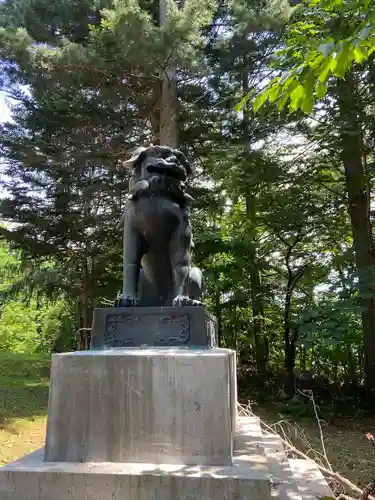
(186, 326)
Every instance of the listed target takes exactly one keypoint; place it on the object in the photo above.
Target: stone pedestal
(173, 405)
(142, 424)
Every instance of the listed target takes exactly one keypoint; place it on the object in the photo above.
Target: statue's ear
(137, 157)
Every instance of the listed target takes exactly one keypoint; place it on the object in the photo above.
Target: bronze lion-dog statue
(157, 232)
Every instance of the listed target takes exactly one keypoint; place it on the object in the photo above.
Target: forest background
(283, 185)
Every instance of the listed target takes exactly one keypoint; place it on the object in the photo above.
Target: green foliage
(57, 328)
(24, 380)
(18, 328)
(323, 39)
(35, 317)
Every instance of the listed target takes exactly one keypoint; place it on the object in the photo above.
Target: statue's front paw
(126, 302)
(197, 303)
(183, 300)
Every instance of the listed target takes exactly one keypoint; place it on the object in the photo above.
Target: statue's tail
(195, 284)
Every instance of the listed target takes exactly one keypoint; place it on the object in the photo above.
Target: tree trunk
(168, 135)
(293, 277)
(357, 187)
(260, 342)
(261, 354)
(290, 349)
(290, 329)
(235, 328)
(84, 332)
(218, 311)
(303, 358)
(352, 367)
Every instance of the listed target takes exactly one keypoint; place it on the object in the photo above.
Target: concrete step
(249, 437)
(33, 479)
(253, 443)
(246, 478)
(291, 479)
(310, 481)
(283, 484)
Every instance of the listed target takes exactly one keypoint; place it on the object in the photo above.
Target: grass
(23, 406)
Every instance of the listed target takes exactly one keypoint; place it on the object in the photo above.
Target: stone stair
(291, 479)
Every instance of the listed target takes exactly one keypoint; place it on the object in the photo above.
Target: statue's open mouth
(169, 169)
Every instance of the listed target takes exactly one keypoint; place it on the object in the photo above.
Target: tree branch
(348, 485)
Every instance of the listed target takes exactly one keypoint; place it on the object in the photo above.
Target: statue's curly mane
(154, 174)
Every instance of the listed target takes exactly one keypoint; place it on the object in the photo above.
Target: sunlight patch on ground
(21, 437)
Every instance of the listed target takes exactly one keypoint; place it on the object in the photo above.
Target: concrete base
(33, 479)
(157, 405)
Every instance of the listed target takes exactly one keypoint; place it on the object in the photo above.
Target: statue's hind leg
(180, 252)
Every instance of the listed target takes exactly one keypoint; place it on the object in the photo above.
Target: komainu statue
(157, 232)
